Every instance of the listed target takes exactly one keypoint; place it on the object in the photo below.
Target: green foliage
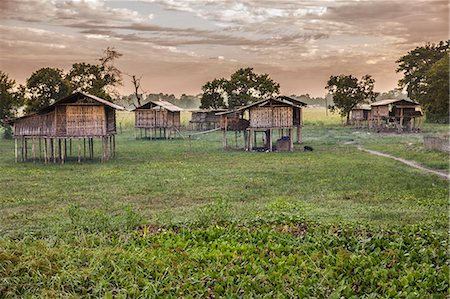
(93, 79)
(46, 86)
(435, 95)
(213, 94)
(424, 82)
(11, 98)
(348, 92)
(243, 88)
(296, 259)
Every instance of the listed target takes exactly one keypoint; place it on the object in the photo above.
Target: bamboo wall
(358, 114)
(149, 118)
(69, 121)
(205, 117)
(271, 117)
(85, 121)
(36, 125)
(379, 111)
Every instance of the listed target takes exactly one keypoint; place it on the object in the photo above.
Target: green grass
(165, 220)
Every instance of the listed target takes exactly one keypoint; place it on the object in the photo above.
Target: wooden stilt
(84, 149)
(40, 149)
(291, 140)
(15, 149)
(54, 150)
(63, 151)
(79, 150)
(299, 134)
(250, 138)
(45, 151)
(114, 146)
(103, 149)
(33, 151)
(25, 149)
(270, 140)
(70, 146)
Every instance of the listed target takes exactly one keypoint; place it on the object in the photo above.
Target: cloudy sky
(178, 45)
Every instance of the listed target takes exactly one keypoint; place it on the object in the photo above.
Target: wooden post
(299, 134)
(40, 149)
(291, 140)
(250, 139)
(79, 150)
(63, 151)
(103, 149)
(15, 149)
(401, 119)
(84, 149)
(33, 152)
(45, 150)
(25, 149)
(236, 139)
(70, 146)
(54, 150)
(270, 140)
(224, 140)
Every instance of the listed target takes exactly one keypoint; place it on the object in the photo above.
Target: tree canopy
(45, 86)
(424, 81)
(11, 98)
(349, 92)
(243, 88)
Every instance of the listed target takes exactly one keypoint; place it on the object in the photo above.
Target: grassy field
(167, 220)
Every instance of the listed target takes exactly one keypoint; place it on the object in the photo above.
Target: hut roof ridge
(391, 101)
(164, 104)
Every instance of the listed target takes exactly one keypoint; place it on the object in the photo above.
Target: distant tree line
(426, 80)
(184, 101)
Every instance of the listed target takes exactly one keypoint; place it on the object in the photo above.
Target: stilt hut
(280, 115)
(360, 116)
(52, 131)
(395, 115)
(157, 119)
(205, 119)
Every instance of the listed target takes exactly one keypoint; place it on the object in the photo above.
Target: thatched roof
(73, 98)
(393, 102)
(280, 99)
(162, 104)
(363, 107)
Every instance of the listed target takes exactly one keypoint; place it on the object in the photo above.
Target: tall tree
(91, 78)
(435, 92)
(97, 79)
(348, 93)
(244, 87)
(213, 94)
(415, 66)
(46, 86)
(11, 98)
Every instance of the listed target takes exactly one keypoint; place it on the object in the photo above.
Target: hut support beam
(270, 139)
(15, 149)
(63, 150)
(33, 150)
(291, 140)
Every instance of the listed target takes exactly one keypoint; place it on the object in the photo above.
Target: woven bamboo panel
(36, 125)
(148, 118)
(271, 117)
(85, 121)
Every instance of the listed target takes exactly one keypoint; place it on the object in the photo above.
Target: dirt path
(407, 162)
